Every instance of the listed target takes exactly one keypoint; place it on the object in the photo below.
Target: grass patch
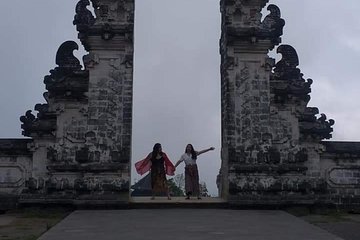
(319, 215)
(298, 211)
(31, 223)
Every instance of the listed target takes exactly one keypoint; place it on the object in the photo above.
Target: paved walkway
(188, 224)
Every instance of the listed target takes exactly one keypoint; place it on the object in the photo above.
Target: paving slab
(180, 224)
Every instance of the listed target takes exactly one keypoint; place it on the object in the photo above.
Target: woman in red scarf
(159, 165)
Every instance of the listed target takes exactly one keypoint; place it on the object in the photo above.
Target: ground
(345, 224)
(30, 223)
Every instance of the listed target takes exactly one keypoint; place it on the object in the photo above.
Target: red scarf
(144, 165)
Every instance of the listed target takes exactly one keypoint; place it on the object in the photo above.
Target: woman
(159, 165)
(191, 170)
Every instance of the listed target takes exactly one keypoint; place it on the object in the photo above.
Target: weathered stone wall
(340, 166)
(252, 161)
(109, 118)
(15, 165)
(81, 137)
(271, 139)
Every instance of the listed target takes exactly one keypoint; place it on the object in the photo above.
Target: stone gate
(273, 148)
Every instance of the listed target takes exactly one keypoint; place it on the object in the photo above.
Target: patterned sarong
(192, 179)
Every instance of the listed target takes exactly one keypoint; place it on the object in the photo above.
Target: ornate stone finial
(286, 68)
(43, 124)
(288, 84)
(273, 22)
(83, 18)
(315, 128)
(42, 109)
(67, 80)
(65, 57)
(27, 122)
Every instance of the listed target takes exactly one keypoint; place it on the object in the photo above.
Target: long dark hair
(156, 150)
(193, 153)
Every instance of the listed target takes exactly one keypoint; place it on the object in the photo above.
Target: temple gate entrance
(272, 148)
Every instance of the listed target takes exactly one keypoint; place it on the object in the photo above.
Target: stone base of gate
(103, 201)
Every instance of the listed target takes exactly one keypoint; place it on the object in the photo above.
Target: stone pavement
(188, 224)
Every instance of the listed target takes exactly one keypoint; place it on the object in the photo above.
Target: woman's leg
(196, 182)
(153, 184)
(168, 193)
(188, 188)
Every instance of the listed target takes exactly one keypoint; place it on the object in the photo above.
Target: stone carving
(91, 60)
(242, 22)
(349, 176)
(242, 12)
(67, 80)
(287, 82)
(263, 105)
(109, 10)
(27, 121)
(32, 126)
(313, 128)
(90, 184)
(273, 23)
(270, 184)
(83, 18)
(65, 58)
(42, 109)
(11, 176)
(286, 68)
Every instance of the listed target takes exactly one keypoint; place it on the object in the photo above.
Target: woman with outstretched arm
(191, 170)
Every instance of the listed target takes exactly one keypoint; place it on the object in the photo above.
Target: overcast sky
(176, 79)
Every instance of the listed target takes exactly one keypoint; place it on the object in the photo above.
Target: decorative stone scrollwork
(272, 184)
(316, 129)
(91, 60)
(286, 68)
(241, 21)
(273, 22)
(44, 124)
(67, 80)
(42, 109)
(28, 119)
(83, 18)
(65, 57)
(287, 82)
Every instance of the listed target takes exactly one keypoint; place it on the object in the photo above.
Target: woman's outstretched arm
(205, 150)
(144, 165)
(179, 161)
